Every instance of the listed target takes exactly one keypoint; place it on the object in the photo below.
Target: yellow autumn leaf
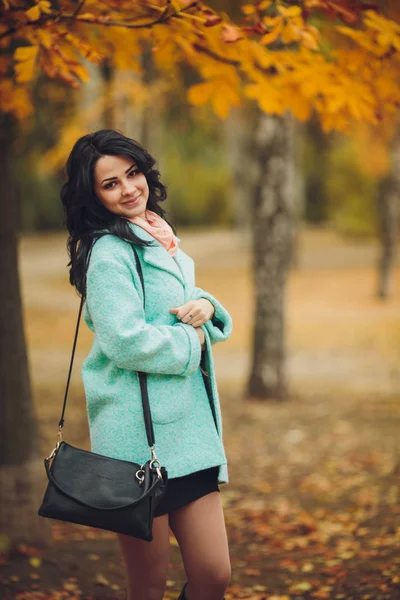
(26, 52)
(82, 73)
(334, 102)
(267, 97)
(86, 17)
(290, 34)
(309, 40)
(25, 57)
(70, 586)
(225, 97)
(291, 11)
(24, 71)
(272, 21)
(35, 561)
(101, 579)
(385, 38)
(303, 586)
(33, 13)
(45, 6)
(221, 106)
(248, 9)
(363, 39)
(200, 93)
(379, 22)
(299, 106)
(45, 38)
(273, 35)
(396, 42)
(14, 99)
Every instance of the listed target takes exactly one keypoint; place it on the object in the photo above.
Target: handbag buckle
(140, 475)
(55, 450)
(157, 467)
(155, 461)
(154, 464)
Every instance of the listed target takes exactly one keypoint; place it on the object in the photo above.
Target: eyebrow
(127, 171)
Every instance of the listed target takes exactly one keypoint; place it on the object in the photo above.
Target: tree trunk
(316, 200)
(22, 481)
(107, 73)
(238, 143)
(273, 213)
(388, 210)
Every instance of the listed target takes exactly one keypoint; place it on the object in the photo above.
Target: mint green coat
(129, 339)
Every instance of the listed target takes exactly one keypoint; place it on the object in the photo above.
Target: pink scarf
(159, 229)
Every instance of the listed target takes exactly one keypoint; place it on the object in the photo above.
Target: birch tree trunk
(316, 200)
(389, 211)
(238, 132)
(22, 480)
(274, 217)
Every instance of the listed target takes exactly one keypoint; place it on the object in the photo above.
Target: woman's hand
(194, 312)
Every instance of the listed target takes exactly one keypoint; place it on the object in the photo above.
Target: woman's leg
(147, 562)
(199, 528)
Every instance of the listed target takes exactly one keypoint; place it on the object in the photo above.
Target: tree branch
(79, 7)
(56, 17)
(215, 56)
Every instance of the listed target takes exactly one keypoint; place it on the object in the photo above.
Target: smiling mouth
(133, 200)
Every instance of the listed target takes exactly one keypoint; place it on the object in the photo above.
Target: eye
(108, 185)
(133, 173)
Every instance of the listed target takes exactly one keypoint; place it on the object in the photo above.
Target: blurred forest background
(338, 175)
(317, 515)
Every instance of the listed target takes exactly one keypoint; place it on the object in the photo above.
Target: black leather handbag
(98, 491)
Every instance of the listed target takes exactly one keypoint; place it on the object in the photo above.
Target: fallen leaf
(101, 580)
(35, 561)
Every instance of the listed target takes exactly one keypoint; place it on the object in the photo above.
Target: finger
(174, 310)
(186, 309)
(189, 317)
(197, 323)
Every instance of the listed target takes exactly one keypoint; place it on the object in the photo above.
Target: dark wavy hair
(86, 217)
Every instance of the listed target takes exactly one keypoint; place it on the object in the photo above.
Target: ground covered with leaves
(312, 508)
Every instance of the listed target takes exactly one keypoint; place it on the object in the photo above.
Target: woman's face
(120, 187)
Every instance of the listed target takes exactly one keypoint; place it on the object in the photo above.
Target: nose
(128, 188)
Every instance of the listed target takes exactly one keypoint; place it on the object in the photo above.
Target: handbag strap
(142, 376)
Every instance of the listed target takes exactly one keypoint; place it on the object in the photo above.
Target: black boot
(182, 594)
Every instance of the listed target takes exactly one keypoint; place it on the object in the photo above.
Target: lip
(132, 202)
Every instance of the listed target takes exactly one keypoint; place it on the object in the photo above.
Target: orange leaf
(200, 93)
(252, 571)
(248, 9)
(273, 35)
(33, 13)
(25, 52)
(86, 17)
(26, 61)
(291, 11)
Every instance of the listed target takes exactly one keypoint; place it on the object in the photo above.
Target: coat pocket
(171, 397)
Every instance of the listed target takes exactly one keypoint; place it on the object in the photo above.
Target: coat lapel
(157, 256)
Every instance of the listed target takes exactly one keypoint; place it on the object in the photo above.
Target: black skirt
(182, 490)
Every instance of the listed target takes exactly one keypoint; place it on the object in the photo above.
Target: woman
(112, 200)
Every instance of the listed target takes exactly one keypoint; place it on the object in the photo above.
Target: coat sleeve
(118, 317)
(219, 326)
